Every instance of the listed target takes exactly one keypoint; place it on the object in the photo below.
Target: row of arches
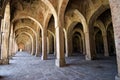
(66, 33)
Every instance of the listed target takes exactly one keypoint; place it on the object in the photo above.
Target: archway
(76, 38)
(51, 42)
(111, 41)
(21, 47)
(98, 42)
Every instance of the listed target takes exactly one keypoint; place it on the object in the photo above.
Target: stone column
(37, 43)
(0, 38)
(11, 42)
(90, 46)
(48, 45)
(84, 50)
(4, 49)
(81, 45)
(60, 56)
(54, 45)
(44, 44)
(106, 53)
(66, 45)
(115, 9)
(40, 46)
(4, 43)
(69, 44)
(10, 45)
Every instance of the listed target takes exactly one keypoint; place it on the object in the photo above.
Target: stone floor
(26, 67)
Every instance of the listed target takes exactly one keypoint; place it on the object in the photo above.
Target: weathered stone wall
(115, 9)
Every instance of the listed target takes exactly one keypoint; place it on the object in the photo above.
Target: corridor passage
(26, 67)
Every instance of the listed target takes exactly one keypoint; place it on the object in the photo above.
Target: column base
(90, 58)
(87, 57)
(4, 61)
(43, 58)
(60, 62)
(37, 54)
(117, 77)
(67, 55)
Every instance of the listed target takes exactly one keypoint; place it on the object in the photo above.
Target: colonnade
(63, 36)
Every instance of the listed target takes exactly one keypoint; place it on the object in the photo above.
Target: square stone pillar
(60, 55)
(4, 49)
(115, 10)
(90, 46)
(10, 45)
(44, 44)
(69, 46)
(105, 45)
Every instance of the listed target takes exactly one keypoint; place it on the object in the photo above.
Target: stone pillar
(66, 45)
(106, 52)
(44, 44)
(60, 56)
(10, 45)
(11, 42)
(84, 50)
(0, 39)
(4, 49)
(5, 35)
(14, 47)
(40, 46)
(115, 9)
(51, 44)
(48, 45)
(54, 45)
(81, 45)
(90, 46)
(69, 44)
(37, 43)
(36, 40)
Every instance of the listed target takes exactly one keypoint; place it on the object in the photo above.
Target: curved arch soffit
(80, 31)
(47, 19)
(29, 17)
(108, 25)
(28, 28)
(27, 35)
(62, 9)
(100, 25)
(76, 35)
(97, 13)
(51, 33)
(31, 30)
(17, 35)
(81, 20)
(52, 9)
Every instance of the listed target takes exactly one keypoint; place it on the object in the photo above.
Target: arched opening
(21, 47)
(25, 42)
(99, 42)
(111, 41)
(50, 43)
(51, 36)
(102, 20)
(77, 39)
(76, 42)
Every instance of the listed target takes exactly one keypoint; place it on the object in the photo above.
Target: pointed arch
(52, 9)
(17, 35)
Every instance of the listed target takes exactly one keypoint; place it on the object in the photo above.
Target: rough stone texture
(26, 67)
(115, 8)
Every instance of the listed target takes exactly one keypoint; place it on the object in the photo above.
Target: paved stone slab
(26, 67)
